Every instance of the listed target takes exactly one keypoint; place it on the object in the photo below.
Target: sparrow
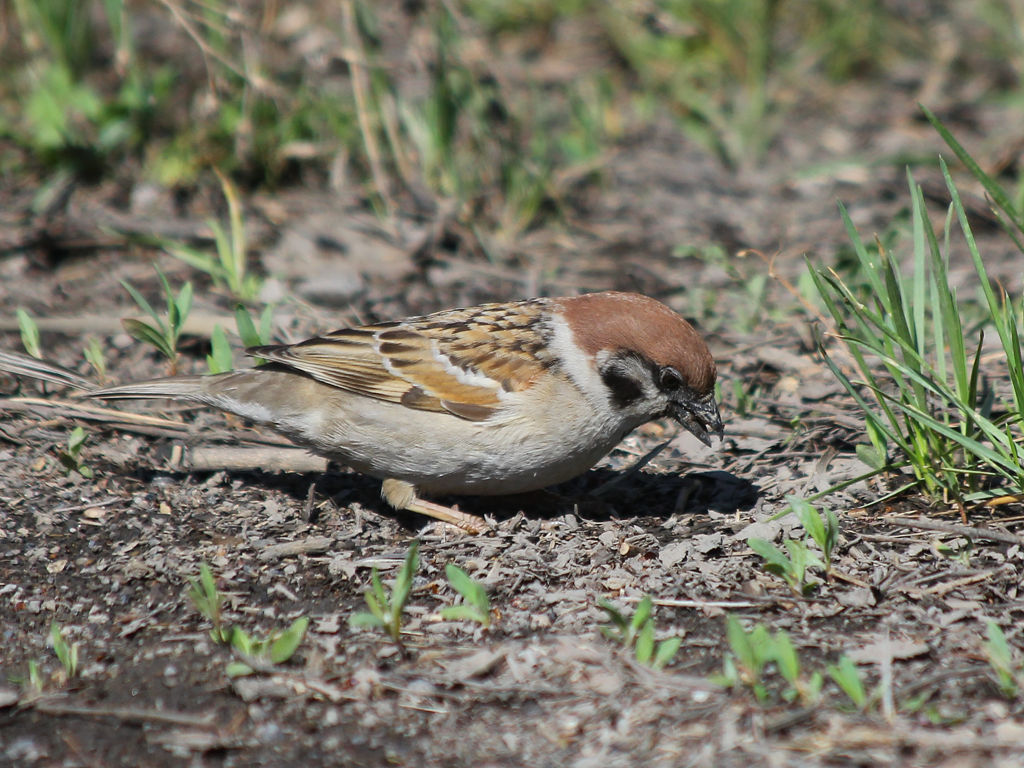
(494, 399)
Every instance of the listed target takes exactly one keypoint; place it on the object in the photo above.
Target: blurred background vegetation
(498, 110)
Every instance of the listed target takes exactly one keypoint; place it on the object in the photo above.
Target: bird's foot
(402, 495)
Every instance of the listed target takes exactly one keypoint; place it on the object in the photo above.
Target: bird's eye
(669, 378)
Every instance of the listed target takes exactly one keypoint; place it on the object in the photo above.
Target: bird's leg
(402, 495)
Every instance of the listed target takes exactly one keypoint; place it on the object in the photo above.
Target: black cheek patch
(624, 390)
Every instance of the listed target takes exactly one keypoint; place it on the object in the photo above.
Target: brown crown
(631, 322)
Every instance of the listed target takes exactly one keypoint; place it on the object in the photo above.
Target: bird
(499, 398)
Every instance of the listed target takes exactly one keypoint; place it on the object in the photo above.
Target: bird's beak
(700, 417)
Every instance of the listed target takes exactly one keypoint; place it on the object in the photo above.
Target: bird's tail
(177, 388)
(17, 364)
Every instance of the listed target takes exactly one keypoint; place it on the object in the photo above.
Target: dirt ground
(109, 557)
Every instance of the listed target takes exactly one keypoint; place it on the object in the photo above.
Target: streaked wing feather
(442, 362)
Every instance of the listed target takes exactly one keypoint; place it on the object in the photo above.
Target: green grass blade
(403, 582)
(994, 189)
(141, 301)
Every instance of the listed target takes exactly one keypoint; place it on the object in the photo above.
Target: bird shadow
(605, 494)
(598, 495)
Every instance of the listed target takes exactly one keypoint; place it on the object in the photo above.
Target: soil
(109, 558)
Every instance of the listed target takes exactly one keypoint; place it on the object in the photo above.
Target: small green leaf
(730, 676)
(809, 518)
(61, 648)
(139, 299)
(463, 612)
(182, 306)
(462, 583)
(800, 558)
(29, 334)
(739, 642)
(147, 334)
(35, 677)
(403, 586)
(1000, 659)
(643, 613)
(846, 676)
(870, 455)
(238, 669)
(813, 688)
(376, 598)
(246, 329)
(771, 554)
(645, 643)
(667, 650)
(997, 648)
(762, 645)
(375, 606)
(94, 356)
(75, 441)
(219, 360)
(242, 642)
(473, 593)
(204, 262)
(284, 646)
(786, 658)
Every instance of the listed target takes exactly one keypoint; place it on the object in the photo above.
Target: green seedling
(161, 334)
(261, 654)
(1008, 671)
(874, 453)
(624, 628)
(29, 334)
(637, 632)
(787, 661)
(35, 680)
(255, 654)
(220, 359)
(791, 565)
(228, 267)
(251, 335)
(475, 606)
(754, 653)
(824, 532)
(70, 458)
(209, 602)
(93, 353)
(845, 674)
(960, 554)
(745, 664)
(67, 654)
(655, 656)
(386, 610)
(743, 398)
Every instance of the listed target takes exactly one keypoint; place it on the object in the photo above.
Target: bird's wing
(460, 361)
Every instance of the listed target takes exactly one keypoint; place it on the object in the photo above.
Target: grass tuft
(917, 371)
